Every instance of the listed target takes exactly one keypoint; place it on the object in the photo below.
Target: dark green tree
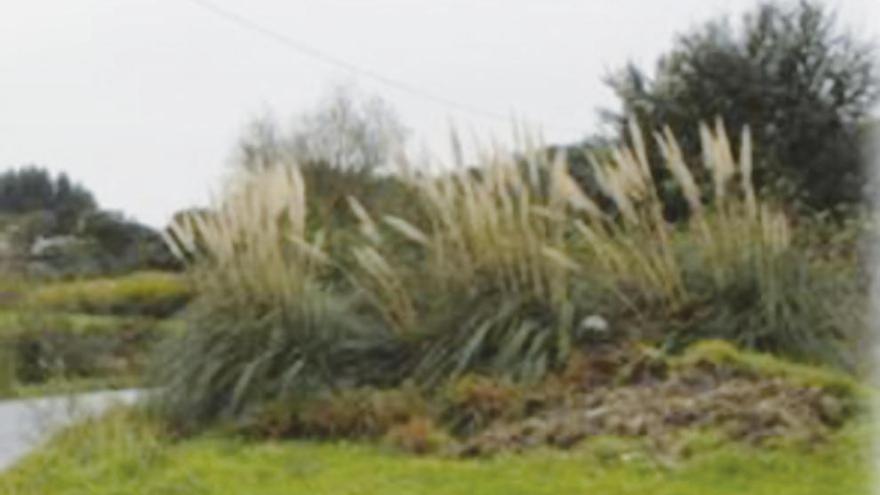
(803, 86)
(32, 189)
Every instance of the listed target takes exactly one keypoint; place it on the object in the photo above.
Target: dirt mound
(618, 390)
(636, 393)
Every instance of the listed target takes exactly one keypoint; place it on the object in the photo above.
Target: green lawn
(63, 386)
(118, 456)
(11, 321)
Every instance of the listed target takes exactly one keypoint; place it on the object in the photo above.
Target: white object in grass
(595, 323)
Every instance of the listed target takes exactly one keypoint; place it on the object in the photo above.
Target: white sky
(142, 100)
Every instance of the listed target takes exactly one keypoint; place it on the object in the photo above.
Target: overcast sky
(142, 100)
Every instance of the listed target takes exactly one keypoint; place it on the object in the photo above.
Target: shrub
(493, 274)
(730, 270)
(49, 347)
(362, 412)
(487, 282)
(264, 325)
(123, 245)
(473, 402)
(157, 294)
(225, 363)
(419, 435)
(804, 85)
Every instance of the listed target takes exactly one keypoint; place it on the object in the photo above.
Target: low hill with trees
(51, 226)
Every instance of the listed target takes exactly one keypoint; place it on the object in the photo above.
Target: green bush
(497, 272)
(810, 310)
(48, 347)
(155, 294)
(226, 363)
(803, 83)
(265, 325)
(486, 280)
(735, 268)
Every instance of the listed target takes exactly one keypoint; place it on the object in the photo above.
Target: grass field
(78, 351)
(116, 456)
(65, 387)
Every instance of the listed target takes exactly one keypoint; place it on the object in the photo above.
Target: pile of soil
(633, 393)
(618, 390)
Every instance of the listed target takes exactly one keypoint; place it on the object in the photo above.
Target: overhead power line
(312, 52)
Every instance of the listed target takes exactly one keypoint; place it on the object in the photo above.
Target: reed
(264, 324)
(727, 233)
(490, 284)
(485, 270)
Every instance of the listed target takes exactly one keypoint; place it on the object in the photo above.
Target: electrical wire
(314, 53)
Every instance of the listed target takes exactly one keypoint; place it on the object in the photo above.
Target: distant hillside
(51, 227)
